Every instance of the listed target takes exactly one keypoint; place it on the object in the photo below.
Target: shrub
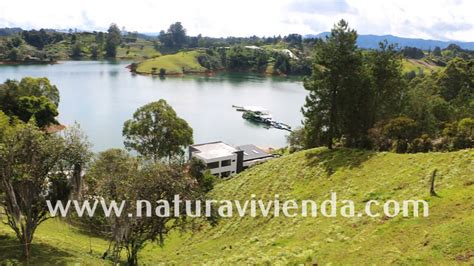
(421, 144)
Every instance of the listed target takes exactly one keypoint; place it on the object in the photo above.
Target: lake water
(101, 95)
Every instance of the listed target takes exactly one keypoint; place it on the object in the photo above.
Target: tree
(4, 123)
(198, 170)
(76, 50)
(401, 129)
(466, 126)
(156, 132)
(115, 175)
(295, 140)
(30, 98)
(95, 51)
(113, 40)
(336, 104)
(34, 168)
(457, 79)
(177, 34)
(387, 84)
(41, 109)
(413, 52)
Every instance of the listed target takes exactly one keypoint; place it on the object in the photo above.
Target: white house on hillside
(224, 160)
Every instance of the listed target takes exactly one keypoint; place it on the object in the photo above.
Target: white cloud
(444, 19)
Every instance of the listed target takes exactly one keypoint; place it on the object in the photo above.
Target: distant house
(224, 160)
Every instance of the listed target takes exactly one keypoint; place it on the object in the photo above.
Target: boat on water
(256, 109)
(261, 115)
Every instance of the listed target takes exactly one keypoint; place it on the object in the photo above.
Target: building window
(213, 165)
(225, 163)
(225, 174)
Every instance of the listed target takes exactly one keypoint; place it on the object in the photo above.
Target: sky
(428, 19)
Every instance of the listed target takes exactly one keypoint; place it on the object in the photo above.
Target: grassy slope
(55, 242)
(173, 63)
(444, 237)
(142, 49)
(419, 64)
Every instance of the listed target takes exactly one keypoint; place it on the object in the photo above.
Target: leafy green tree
(95, 51)
(466, 126)
(4, 123)
(41, 109)
(388, 88)
(177, 34)
(336, 105)
(197, 169)
(456, 78)
(76, 51)
(113, 40)
(296, 139)
(437, 51)
(14, 55)
(30, 98)
(156, 132)
(115, 175)
(413, 52)
(39, 87)
(282, 63)
(35, 167)
(403, 130)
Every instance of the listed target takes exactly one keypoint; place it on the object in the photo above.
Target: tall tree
(156, 132)
(178, 34)
(387, 84)
(113, 40)
(336, 104)
(34, 168)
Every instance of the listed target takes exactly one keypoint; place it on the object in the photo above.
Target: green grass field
(142, 49)
(419, 65)
(445, 237)
(179, 63)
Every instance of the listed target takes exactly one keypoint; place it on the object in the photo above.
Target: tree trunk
(332, 118)
(77, 181)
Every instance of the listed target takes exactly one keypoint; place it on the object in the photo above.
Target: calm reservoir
(101, 95)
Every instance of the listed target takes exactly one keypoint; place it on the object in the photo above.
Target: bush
(421, 144)
(402, 131)
(296, 140)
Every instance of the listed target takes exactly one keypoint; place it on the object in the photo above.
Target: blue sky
(435, 19)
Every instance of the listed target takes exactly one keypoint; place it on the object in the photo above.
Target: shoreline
(209, 73)
(20, 63)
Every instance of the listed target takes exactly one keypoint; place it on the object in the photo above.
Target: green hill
(179, 63)
(443, 237)
(356, 175)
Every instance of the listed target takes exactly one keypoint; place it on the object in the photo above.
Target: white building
(224, 160)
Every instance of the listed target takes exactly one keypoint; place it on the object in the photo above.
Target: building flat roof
(213, 150)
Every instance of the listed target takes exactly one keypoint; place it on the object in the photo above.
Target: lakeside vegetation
(276, 55)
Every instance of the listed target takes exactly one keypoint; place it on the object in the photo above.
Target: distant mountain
(9, 31)
(371, 41)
